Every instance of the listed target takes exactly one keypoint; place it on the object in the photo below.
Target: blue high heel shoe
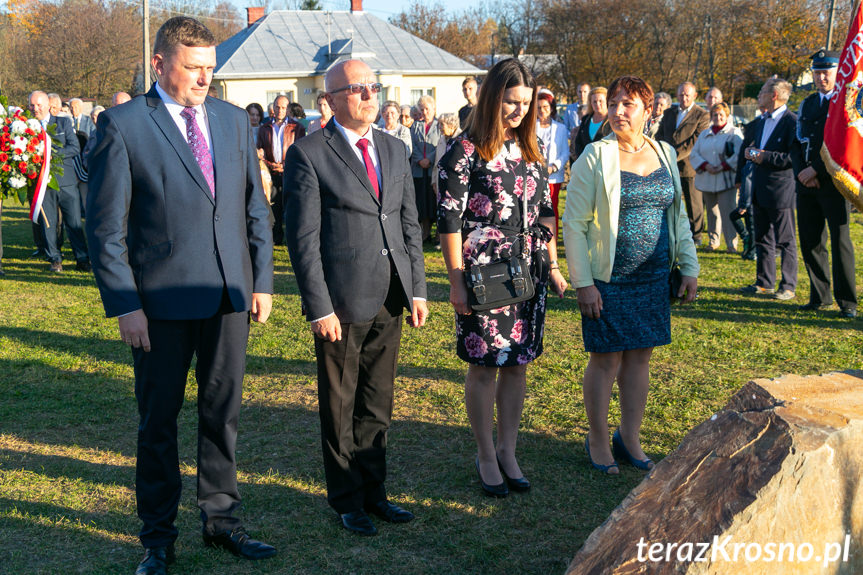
(604, 468)
(620, 451)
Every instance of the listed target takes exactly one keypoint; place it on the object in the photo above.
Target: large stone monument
(772, 485)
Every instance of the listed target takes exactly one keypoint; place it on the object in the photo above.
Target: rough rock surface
(778, 474)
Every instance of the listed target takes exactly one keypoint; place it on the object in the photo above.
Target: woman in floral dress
(482, 179)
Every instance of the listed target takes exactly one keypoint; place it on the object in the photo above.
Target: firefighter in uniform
(820, 206)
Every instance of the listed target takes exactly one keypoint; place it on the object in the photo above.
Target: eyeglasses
(373, 88)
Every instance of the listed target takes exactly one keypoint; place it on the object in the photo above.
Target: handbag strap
(524, 229)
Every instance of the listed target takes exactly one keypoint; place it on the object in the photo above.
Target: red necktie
(363, 145)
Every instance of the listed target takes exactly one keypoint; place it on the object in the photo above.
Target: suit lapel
(384, 160)
(686, 119)
(776, 134)
(342, 148)
(170, 130)
(759, 131)
(219, 139)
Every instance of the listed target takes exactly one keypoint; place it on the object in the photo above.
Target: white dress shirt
(353, 138)
(770, 122)
(278, 134)
(200, 117)
(681, 113)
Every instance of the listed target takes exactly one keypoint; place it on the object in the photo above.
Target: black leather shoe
(389, 512)
(358, 522)
(500, 490)
(83, 266)
(812, 306)
(239, 543)
(520, 485)
(156, 561)
(848, 313)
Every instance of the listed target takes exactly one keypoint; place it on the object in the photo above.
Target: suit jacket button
(384, 252)
(383, 217)
(217, 218)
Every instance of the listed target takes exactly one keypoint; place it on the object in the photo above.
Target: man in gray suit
(81, 121)
(354, 240)
(681, 125)
(180, 232)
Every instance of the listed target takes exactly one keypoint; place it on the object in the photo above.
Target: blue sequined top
(642, 239)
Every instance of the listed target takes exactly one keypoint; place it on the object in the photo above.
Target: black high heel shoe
(520, 485)
(498, 490)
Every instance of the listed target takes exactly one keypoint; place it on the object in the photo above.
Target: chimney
(255, 14)
(356, 5)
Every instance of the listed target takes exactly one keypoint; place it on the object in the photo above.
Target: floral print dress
(483, 201)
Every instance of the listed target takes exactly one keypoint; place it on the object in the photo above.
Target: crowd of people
(355, 193)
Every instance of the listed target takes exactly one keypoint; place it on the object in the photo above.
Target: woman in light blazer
(624, 227)
(714, 157)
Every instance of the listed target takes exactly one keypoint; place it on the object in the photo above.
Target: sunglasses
(373, 88)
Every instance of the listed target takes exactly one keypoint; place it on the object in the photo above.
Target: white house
(289, 52)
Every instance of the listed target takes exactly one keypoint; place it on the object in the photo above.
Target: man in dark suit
(180, 233)
(820, 206)
(680, 126)
(355, 245)
(275, 136)
(769, 148)
(66, 200)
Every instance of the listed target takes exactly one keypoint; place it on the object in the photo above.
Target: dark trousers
(69, 203)
(694, 207)
(219, 343)
(774, 231)
(355, 402)
(277, 201)
(816, 213)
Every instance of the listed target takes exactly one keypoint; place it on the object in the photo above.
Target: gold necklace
(643, 143)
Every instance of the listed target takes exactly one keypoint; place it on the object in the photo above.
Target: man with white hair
(66, 198)
(769, 147)
(80, 120)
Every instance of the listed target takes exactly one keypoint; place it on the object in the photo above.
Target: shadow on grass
(763, 309)
(282, 482)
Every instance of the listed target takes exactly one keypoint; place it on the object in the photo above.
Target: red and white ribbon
(42, 181)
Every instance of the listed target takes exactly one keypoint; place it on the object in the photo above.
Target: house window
(417, 93)
(273, 94)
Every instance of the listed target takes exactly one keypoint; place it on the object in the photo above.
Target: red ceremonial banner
(843, 133)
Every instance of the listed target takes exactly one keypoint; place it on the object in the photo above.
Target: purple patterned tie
(199, 148)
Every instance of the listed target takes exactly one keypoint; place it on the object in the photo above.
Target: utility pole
(830, 24)
(146, 23)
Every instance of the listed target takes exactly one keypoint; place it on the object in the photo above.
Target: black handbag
(509, 281)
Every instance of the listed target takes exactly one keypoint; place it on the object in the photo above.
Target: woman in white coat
(556, 147)
(714, 157)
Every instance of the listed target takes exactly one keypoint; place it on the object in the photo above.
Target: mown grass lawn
(68, 423)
